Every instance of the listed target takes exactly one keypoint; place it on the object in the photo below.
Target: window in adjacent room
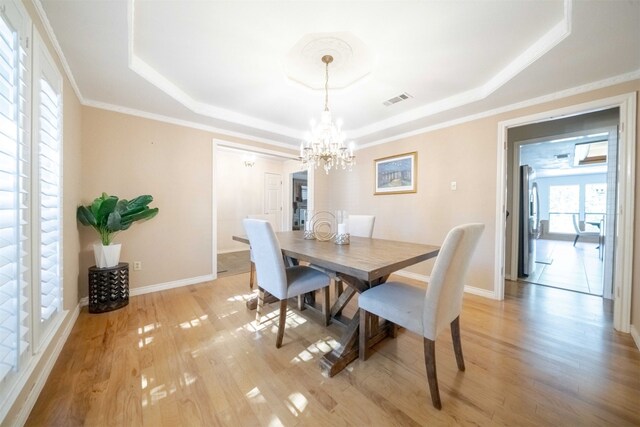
(564, 201)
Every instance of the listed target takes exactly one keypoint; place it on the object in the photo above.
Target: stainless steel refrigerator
(528, 221)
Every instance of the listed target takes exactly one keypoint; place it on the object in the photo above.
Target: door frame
(623, 268)
(216, 142)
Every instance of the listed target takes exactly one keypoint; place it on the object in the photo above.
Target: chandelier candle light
(325, 144)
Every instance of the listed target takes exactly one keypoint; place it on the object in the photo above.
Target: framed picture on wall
(396, 174)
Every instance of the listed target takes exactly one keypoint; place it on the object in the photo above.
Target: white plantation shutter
(30, 200)
(47, 134)
(14, 190)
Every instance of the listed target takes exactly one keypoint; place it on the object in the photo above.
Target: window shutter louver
(48, 122)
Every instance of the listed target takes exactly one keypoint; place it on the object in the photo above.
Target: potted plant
(108, 216)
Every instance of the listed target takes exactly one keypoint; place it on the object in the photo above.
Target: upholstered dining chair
(361, 225)
(273, 277)
(252, 264)
(427, 313)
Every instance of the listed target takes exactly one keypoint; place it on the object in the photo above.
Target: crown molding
(577, 90)
(548, 41)
(185, 123)
(153, 76)
(56, 45)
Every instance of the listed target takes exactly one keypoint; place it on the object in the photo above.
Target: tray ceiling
(247, 68)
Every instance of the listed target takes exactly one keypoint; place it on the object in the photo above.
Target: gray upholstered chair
(252, 263)
(273, 277)
(361, 225)
(427, 313)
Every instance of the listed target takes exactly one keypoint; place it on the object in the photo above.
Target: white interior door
(273, 199)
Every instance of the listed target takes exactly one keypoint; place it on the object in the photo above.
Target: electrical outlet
(137, 265)
(454, 186)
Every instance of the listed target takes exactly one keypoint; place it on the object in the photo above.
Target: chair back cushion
(267, 256)
(361, 225)
(443, 300)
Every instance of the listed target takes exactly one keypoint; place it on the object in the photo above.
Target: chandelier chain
(325, 145)
(326, 86)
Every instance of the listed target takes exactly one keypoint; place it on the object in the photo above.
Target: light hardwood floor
(193, 356)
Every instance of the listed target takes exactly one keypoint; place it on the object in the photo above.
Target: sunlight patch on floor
(242, 297)
(255, 395)
(144, 342)
(148, 328)
(296, 403)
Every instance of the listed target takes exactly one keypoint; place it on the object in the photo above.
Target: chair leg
(430, 362)
(281, 322)
(576, 239)
(260, 305)
(457, 344)
(326, 306)
(363, 351)
(252, 274)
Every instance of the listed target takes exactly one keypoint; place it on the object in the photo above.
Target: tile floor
(560, 265)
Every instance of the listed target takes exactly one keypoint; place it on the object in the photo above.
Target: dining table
(361, 265)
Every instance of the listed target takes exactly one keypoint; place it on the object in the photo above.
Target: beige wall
(465, 153)
(446, 155)
(128, 156)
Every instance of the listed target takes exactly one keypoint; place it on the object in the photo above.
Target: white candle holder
(342, 232)
(342, 239)
(309, 234)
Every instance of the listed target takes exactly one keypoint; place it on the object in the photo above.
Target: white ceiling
(224, 64)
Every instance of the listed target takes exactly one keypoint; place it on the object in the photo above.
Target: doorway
(567, 200)
(299, 199)
(247, 182)
(624, 206)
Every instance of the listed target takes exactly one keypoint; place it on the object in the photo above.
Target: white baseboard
(229, 251)
(468, 289)
(411, 275)
(480, 292)
(636, 336)
(32, 397)
(161, 286)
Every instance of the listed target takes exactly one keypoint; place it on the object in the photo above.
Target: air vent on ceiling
(402, 97)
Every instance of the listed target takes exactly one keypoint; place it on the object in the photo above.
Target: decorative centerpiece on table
(342, 236)
(109, 215)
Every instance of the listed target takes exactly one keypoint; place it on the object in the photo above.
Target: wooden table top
(364, 258)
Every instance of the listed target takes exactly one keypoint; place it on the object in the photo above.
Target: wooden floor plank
(195, 356)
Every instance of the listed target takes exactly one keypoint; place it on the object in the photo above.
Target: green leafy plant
(108, 215)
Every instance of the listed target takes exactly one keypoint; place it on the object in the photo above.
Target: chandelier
(325, 144)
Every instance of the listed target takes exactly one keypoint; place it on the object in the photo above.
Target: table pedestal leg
(347, 350)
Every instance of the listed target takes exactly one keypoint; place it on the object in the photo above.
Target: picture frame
(396, 174)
